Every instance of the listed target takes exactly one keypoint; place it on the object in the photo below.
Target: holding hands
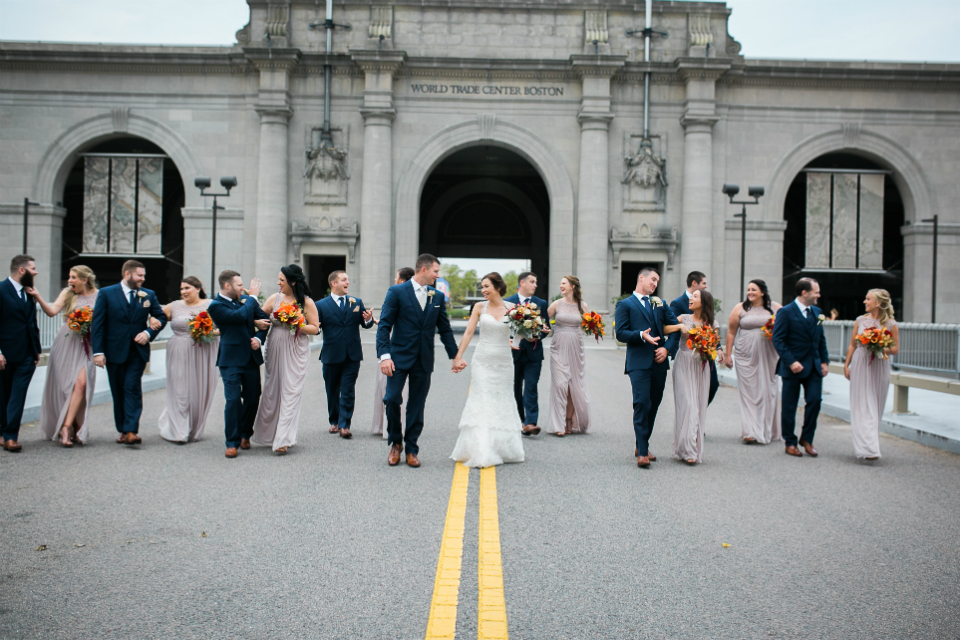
(459, 364)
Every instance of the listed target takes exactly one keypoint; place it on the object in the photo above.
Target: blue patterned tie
(132, 295)
(342, 301)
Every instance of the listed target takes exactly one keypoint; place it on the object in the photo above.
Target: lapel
(408, 285)
(649, 314)
(803, 318)
(21, 307)
(336, 310)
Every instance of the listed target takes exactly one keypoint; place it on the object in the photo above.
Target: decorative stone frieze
(644, 173)
(381, 22)
(645, 239)
(325, 230)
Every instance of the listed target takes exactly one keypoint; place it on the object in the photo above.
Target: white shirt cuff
(385, 356)
(97, 354)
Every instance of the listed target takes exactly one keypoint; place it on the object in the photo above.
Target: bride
(490, 425)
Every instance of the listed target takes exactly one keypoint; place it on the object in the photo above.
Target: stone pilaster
(376, 200)
(593, 189)
(44, 239)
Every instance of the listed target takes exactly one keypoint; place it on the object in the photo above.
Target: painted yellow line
(492, 607)
(446, 587)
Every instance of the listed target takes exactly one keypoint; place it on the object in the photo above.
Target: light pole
(933, 300)
(228, 182)
(731, 190)
(26, 220)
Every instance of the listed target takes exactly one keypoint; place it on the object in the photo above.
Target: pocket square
(356, 309)
(146, 304)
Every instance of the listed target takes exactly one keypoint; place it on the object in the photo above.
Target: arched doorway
(487, 201)
(844, 213)
(164, 257)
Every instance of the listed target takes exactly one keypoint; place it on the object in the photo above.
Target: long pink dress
(568, 373)
(192, 378)
(286, 361)
(756, 362)
(691, 389)
(68, 358)
(869, 383)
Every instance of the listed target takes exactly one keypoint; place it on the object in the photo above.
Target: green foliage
(511, 280)
(458, 314)
(619, 298)
(462, 284)
(717, 306)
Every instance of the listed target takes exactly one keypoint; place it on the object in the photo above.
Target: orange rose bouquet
(79, 321)
(592, 324)
(703, 341)
(202, 328)
(876, 340)
(768, 328)
(525, 321)
(291, 315)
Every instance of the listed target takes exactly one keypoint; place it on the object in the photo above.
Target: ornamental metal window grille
(122, 204)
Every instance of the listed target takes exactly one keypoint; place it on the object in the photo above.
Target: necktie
(342, 300)
(646, 301)
(524, 300)
(23, 295)
(132, 295)
(809, 313)
(422, 298)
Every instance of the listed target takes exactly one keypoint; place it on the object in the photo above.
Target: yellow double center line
(491, 608)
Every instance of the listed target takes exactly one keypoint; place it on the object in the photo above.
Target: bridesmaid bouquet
(202, 328)
(768, 328)
(291, 315)
(703, 341)
(592, 325)
(876, 341)
(79, 321)
(525, 321)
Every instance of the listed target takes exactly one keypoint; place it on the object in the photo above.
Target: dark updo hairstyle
(496, 281)
(298, 283)
(707, 313)
(194, 282)
(766, 296)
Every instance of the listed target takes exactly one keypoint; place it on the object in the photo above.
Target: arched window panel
(844, 219)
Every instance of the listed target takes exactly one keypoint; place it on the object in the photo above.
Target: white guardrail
(923, 346)
(49, 327)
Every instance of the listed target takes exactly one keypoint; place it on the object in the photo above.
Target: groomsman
(121, 333)
(19, 347)
(341, 317)
(696, 281)
(799, 340)
(528, 359)
(243, 328)
(646, 364)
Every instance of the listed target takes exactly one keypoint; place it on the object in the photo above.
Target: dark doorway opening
(319, 268)
(487, 202)
(630, 271)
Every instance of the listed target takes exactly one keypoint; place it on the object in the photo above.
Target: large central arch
(485, 129)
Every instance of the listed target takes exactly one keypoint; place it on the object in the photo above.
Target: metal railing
(49, 327)
(923, 346)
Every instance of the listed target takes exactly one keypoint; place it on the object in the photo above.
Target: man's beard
(26, 280)
(132, 285)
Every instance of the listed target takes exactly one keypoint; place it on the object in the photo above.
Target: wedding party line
(777, 352)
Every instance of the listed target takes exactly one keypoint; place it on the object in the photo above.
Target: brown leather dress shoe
(333, 429)
(412, 460)
(122, 439)
(12, 446)
(345, 434)
(244, 443)
(793, 451)
(643, 461)
(133, 438)
(651, 457)
(231, 452)
(530, 430)
(809, 449)
(393, 459)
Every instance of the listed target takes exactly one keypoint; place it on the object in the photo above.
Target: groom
(804, 361)
(528, 359)
(412, 315)
(646, 364)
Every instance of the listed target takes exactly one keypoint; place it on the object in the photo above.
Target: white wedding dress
(490, 425)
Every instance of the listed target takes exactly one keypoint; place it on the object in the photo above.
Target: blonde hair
(83, 272)
(884, 306)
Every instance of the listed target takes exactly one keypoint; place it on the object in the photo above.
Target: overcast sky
(917, 30)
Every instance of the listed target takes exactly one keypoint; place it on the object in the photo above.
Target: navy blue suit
(647, 377)
(800, 339)
(527, 365)
(680, 306)
(116, 322)
(239, 363)
(341, 355)
(20, 345)
(407, 333)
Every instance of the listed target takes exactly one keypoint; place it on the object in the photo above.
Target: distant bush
(458, 314)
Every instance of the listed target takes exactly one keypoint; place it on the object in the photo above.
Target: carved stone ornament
(645, 239)
(326, 170)
(644, 173)
(381, 22)
(325, 230)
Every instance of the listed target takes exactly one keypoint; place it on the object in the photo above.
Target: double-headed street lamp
(227, 182)
(732, 190)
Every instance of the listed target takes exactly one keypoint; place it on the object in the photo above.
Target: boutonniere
(352, 300)
(821, 318)
(655, 301)
(431, 293)
(141, 294)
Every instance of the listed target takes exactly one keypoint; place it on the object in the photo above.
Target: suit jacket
(632, 320)
(679, 306)
(341, 330)
(533, 351)
(19, 332)
(235, 323)
(406, 331)
(117, 321)
(798, 339)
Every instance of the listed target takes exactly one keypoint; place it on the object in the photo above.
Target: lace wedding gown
(490, 425)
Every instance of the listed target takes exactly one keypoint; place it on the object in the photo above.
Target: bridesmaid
(691, 383)
(569, 405)
(379, 409)
(71, 374)
(870, 378)
(192, 374)
(286, 358)
(756, 365)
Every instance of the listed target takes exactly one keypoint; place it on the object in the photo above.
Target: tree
(462, 284)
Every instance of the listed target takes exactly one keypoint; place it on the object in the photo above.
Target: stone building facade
(490, 128)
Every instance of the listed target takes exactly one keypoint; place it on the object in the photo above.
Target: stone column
(273, 106)
(375, 265)
(593, 188)
(44, 241)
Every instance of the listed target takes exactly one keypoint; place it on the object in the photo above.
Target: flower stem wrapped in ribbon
(291, 315)
(202, 328)
(79, 321)
(876, 340)
(525, 321)
(591, 324)
(768, 328)
(703, 341)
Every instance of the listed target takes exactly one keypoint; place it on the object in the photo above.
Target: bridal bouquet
(525, 321)
(768, 328)
(876, 340)
(291, 315)
(79, 321)
(703, 341)
(202, 328)
(592, 325)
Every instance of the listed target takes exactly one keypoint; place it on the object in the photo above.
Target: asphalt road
(176, 541)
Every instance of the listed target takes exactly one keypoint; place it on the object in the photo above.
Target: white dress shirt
(640, 298)
(803, 307)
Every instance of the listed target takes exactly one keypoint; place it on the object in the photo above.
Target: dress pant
(340, 380)
(647, 387)
(126, 388)
(241, 390)
(812, 395)
(526, 376)
(416, 399)
(14, 382)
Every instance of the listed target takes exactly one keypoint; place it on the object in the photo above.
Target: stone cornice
(601, 65)
(919, 229)
(698, 120)
(708, 69)
(755, 225)
(374, 114)
(148, 60)
(377, 61)
(272, 59)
